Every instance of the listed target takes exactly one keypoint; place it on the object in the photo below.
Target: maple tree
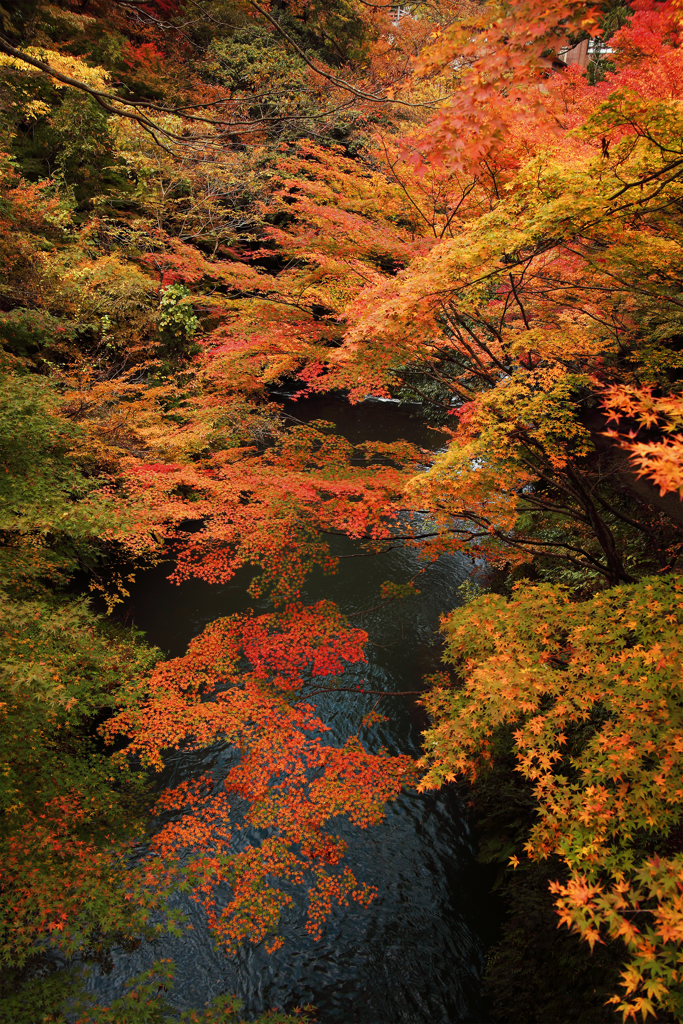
(586, 695)
(126, 437)
(551, 307)
(518, 319)
(293, 784)
(196, 210)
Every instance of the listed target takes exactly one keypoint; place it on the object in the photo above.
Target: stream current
(415, 956)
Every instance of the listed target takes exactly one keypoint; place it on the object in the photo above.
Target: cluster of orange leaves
(265, 823)
(70, 887)
(661, 459)
(271, 509)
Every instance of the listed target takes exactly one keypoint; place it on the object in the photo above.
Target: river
(416, 955)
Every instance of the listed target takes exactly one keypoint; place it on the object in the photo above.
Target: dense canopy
(203, 202)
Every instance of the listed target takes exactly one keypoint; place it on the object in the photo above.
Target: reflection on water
(415, 955)
(375, 420)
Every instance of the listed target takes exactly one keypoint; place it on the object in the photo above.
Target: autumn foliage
(288, 784)
(424, 205)
(589, 695)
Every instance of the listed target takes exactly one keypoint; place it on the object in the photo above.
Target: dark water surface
(416, 955)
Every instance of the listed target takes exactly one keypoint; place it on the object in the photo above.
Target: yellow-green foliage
(590, 695)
